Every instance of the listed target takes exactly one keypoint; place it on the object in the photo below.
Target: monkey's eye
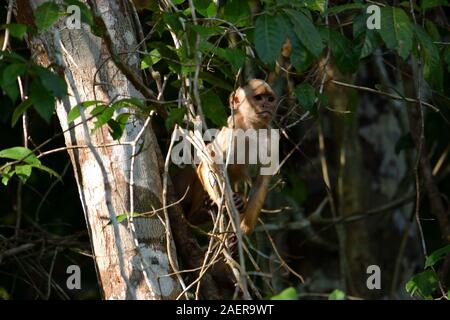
(258, 97)
(271, 99)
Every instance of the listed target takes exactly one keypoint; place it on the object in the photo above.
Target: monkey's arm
(208, 175)
(255, 204)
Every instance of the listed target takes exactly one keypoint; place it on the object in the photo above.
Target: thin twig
(8, 21)
(386, 94)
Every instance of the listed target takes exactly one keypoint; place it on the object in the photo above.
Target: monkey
(253, 107)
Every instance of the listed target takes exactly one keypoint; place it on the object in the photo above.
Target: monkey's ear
(237, 97)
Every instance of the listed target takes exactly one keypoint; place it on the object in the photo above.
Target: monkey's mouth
(265, 113)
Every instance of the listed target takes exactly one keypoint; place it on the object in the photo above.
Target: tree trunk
(131, 257)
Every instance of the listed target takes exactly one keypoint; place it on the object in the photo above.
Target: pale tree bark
(132, 257)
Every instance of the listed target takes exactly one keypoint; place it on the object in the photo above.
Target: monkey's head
(256, 102)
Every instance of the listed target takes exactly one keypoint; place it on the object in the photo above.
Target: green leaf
(13, 57)
(19, 110)
(206, 8)
(367, 40)
(428, 4)
(206, 31)
(46, 15)
(117, 126)
(149, 60)
(306, 95)
(341, 48)
(103, 115)
(423, 284)
(432, 31)
(432, 66)
(300, 57)
(306, 32)
(344, 7)
(447, 57)
(172, 20)
(269, 37)
(4, 295)
(11, 73)
(396, 30)
(115, 129)
(122, 119)
(48, 170)
(122, 217)
(234, 56)
(85, 13)
(74, 113)
(213, 108)
(43, 101)
(337, 295)
(215, 81)
(436, 256)
(8, 80)
(176, 115)
(23, 172)
(12, 91)
(287, 294)
(52, 82)
(317, 5)
(7, 174)
(127, 102)
(17, 30)
(19, 153)
(237, 12)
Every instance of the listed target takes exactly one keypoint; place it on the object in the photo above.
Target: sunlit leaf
(74, 113)
(19, 153)
(337, 295)
(23, 172)
(423, 284)
(287, 294)
(149, 60)
(103, 115)
(437, 256)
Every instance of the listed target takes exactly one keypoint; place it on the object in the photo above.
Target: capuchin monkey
(253, 107)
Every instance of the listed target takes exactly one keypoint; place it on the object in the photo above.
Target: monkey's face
(259, 104)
